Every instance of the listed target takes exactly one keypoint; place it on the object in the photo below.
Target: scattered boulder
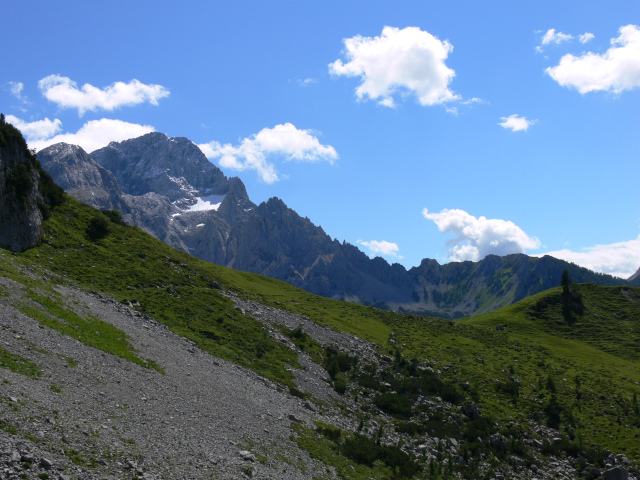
(472, 411)
(616, 473)
(247, 455)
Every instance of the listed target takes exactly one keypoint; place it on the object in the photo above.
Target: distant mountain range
(167, 187)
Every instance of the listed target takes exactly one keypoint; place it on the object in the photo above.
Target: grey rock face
(82, 177)
(173, 167)
(20, 217)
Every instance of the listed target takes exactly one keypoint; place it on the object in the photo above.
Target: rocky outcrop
(20, 197)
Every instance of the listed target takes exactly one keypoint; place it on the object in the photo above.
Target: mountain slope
(168, 188)
(426, 418)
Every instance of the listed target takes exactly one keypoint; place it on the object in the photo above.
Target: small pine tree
(565, 283)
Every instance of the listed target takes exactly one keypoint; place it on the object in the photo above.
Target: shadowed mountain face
(167, 187)
(26, 192)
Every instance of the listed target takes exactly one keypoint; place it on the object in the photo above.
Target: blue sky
(444, 130)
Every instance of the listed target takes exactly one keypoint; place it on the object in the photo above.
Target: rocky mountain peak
(175, 167)
(82, 177)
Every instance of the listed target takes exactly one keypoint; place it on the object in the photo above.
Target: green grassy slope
(184, 292)
(589, 357)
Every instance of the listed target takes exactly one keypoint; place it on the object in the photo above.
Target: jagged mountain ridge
(167, 187)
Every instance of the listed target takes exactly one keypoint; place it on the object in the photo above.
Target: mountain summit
(167, 187)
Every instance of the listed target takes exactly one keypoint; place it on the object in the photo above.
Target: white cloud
(96, 134)
(384, 248)
(516, 123)
(407, 61)
(616, 70)
(586, 37)
(479, 237)
(16, 89)
(306, 82)
(36, 131)
(65, 92)
(284, 141)
(551, 36)
(620, 259)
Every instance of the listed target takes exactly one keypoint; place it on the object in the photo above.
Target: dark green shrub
(365, 451)
(368, 381)
(551, 385)
(19, 181)
(329, 432)
(411, 428)
(360, 449)
(480, 427)
(53, 194)
(98, 227)
(553, 411)
(114, 215)
(450, 393)
(332, 367)
(297, 393)
(338, 362)
(509, 388)
(393, 404)
(340, 386)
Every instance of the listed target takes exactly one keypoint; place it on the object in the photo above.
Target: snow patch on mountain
(210, 202)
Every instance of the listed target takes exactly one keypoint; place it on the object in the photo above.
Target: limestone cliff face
(20, 197)
(82, 177)
(173, 167)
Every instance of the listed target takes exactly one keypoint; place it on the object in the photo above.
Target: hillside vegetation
(527, 367)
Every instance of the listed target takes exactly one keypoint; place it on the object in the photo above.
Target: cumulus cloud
(615, 70)
(620, 259)
(516, 123)
(95, 134)
(479, 237)
(284, 141)
(384, 248)
(405, 61)
(36, 131)
(65, 92)
(586, 37)
(16, 89)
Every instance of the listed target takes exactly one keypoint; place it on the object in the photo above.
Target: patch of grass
(90, 331)
(7, 427)
(328, 452)
(18, 364)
